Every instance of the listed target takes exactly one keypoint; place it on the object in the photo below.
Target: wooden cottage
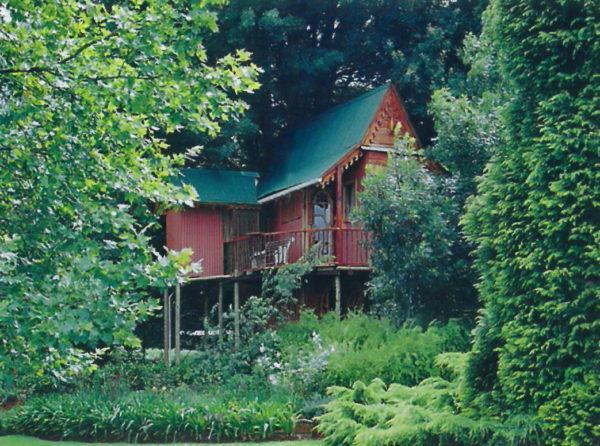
(245, 221)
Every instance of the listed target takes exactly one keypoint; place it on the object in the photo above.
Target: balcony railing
(256, 251)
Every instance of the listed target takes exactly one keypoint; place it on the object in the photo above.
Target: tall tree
(535, 222)
(412, 216)
(316, 54)
(85, 89)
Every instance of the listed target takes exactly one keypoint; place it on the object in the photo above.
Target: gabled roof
(222, 186)
(303, 155)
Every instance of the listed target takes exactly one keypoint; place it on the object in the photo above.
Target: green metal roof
(304, 154)
(222, 186)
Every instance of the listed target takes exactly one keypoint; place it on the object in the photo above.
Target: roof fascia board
(378, 148)
(331, 170)
(221, 205)
(283, 192)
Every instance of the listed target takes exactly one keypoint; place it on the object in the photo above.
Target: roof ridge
(335, 107)
(218, 169)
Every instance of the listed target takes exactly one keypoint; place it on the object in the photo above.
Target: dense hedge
(535, 222)
(147, 416)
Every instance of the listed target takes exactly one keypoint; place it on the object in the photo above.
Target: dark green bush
(198, 369)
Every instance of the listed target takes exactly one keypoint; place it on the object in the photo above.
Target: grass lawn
(30, 441)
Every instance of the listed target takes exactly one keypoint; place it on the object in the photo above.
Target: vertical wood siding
(201, 230)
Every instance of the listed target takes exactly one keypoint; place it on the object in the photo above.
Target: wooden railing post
(339, 217)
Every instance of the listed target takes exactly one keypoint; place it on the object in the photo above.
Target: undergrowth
(364, 348)
(142, 416)
(426, 414)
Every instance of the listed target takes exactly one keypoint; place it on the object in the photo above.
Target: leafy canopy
(410, 212)
(85, 88)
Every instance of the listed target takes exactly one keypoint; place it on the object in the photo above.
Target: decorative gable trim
(379, 136)
(390, 113)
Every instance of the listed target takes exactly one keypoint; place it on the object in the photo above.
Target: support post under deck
(220, 311)
(167, 326)
(178, 324)
(338, 294)
(236, 312)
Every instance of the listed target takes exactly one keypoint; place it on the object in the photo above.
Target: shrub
(427, 414)
(361, 347)
(412, 215)
(178, 415)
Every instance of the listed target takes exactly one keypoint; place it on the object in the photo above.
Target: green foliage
(362, 347)
(466, 114)
(177, 415)
(86, 88)
(412, 216)
(535, 224)
(279, 284)
(427, 414)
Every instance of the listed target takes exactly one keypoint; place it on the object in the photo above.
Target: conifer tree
(535, 221)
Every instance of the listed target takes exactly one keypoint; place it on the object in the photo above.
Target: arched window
(322, 219)
(322, 214)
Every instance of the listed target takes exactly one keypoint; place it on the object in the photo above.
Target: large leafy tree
(466, 115)
(85, 88)
(535, 222)
(412, 215)
(317, 53)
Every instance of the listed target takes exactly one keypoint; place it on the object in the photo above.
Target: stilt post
(167, 326)
(338, 294)
(178, 324)
(220, 311)
(236, 312)
(206, 318)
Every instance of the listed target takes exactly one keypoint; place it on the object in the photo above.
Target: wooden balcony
(256, 251)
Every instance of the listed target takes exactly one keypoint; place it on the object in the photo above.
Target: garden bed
(32, 441)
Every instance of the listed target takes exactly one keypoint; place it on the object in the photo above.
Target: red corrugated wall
(201, 230)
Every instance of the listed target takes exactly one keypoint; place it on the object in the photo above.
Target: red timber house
(245, 221)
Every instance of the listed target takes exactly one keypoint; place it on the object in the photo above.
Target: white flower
(5, 14)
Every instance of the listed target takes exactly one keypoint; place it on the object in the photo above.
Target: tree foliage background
(85, 91)
(316, 54)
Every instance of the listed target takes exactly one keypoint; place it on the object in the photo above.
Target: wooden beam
(167, 326)
(220, 311)
(339, 217)
(177, 324)
(338, 294)
(236, 313)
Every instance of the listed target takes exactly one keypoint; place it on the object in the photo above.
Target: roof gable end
(306, 155)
